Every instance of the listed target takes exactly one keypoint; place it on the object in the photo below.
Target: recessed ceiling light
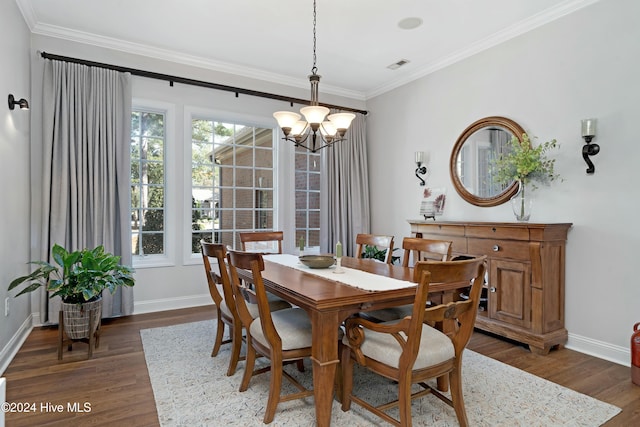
(410, 23)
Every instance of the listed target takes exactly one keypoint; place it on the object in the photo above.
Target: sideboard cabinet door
(510, 292)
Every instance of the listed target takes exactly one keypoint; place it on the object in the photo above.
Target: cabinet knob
(492, 289)
(496, 248)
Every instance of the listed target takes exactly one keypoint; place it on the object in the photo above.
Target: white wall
(14, 177)
(584, 65)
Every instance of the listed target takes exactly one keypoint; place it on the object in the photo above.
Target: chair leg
(219, 335)
(347, 377)
(338, 377)
(274, 388)
(404, 400)
(236, 346)
(455, 380)
(248, 366)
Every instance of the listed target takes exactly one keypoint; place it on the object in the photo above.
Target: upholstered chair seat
(293, 326)
(435, 347)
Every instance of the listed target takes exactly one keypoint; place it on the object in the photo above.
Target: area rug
(191, 389)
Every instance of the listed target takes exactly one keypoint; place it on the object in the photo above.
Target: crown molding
(28, 13)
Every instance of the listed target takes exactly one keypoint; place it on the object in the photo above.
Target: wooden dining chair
(262, 241)
(409, 351)
(379, 241)
(283, 336)
(223, 297)
(419, 249)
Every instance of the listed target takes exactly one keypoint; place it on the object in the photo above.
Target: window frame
(167, 259)
(309, 156)
(191, 113)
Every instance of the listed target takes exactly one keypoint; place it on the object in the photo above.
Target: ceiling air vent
(398, 64)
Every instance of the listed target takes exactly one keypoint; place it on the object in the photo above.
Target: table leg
(325, 358)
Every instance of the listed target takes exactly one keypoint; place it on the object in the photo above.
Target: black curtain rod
(184, 80)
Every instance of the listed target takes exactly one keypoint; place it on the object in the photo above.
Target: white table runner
(352, 277)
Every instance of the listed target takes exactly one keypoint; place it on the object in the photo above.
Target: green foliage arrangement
(526, 163)
(79, 276)
(379, 254)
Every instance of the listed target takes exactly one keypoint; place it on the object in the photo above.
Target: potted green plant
(378, 254)
(78, 277)
(525, 164)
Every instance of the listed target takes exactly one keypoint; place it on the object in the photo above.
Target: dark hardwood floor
(116, 385)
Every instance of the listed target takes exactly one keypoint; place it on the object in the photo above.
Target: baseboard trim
(599, 349)
(165, 304)
(10, 350)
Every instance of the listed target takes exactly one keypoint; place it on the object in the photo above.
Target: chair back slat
(218, 252)
(466, 272)
(251, 290)
(262, 241)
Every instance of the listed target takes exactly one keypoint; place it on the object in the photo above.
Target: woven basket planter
(77, 318)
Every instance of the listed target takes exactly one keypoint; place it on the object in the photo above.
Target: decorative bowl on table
(318, 261)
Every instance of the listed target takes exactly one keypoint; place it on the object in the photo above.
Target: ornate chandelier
(314, 133)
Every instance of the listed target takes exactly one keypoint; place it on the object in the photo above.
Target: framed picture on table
(433, 202)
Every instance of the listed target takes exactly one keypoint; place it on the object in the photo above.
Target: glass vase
(522, 203)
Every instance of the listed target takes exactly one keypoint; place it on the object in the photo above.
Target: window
(232, 181)
(307, 195)
(148, 182)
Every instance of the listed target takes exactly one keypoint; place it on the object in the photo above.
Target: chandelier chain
(314, 69)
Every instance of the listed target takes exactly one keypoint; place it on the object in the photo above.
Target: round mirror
(472, 157)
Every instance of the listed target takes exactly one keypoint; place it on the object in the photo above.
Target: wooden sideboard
(525, 276)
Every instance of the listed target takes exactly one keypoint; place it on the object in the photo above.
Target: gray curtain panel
(86, 167)
(344, 194)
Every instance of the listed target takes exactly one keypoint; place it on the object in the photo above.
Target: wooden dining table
(328, 303)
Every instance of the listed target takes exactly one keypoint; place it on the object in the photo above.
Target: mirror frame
(511, 190)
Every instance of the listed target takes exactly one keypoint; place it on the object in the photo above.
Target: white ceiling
(272, 39)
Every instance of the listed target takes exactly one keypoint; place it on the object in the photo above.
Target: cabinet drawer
(495, 248)
(435, 228)
(498, 232)
(458, 244)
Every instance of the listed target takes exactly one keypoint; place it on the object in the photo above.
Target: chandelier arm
(313, 148)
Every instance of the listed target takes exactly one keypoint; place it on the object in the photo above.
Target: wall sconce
(420, 170)
(23, 104)
(588, 133)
